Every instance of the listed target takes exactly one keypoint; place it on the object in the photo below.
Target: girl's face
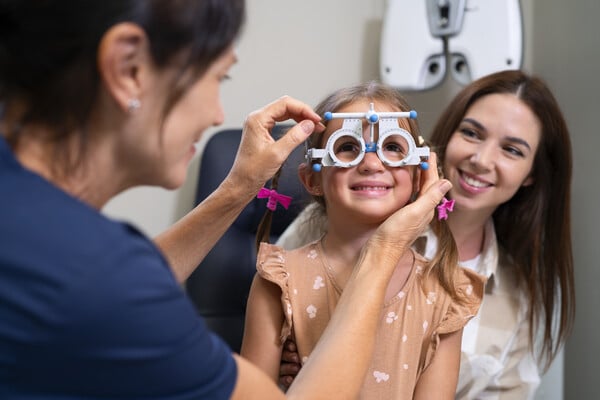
(368, 192)
(491, 154)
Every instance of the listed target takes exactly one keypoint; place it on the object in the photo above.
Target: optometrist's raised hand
(259, 156)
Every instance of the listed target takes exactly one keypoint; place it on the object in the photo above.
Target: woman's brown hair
(534, 226)
(48, 57)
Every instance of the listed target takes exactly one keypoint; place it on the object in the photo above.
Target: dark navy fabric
(89, 307)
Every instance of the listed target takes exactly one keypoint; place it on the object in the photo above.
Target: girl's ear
(310, 179)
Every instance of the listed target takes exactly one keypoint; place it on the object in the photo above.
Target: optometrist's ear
(310, 179)
(122, 60)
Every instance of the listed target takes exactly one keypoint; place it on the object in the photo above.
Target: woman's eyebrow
(517, 140)
(474, 122)
(511, 139)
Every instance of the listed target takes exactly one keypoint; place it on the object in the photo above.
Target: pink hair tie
(274, 198)
(446, 207)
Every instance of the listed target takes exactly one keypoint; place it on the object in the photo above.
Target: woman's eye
(514, 151)
(470, 133)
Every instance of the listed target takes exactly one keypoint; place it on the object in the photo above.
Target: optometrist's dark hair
(445, 262)
(48, 54)
(534, 226)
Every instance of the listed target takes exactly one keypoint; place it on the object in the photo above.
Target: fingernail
(307, 126)
(445, 186)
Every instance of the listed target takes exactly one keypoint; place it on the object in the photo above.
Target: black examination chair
(219, 286)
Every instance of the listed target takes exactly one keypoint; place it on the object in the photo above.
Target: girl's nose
(370, 163)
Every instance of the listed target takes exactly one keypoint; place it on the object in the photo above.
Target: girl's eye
(346, 147)
(346, 150)
(395, 147)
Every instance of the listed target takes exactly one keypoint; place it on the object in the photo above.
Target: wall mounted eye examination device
(346, 147)
(421, 39)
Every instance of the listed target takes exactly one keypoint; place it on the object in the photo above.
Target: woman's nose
(219, 116)
(484, 156)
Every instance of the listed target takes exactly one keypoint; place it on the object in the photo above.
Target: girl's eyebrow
(511, 139)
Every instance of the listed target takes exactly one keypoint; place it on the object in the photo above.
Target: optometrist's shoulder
(106, 98)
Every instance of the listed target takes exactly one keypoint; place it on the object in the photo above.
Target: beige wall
(308, 48)
(566, 52)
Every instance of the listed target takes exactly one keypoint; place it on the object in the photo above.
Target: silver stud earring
(133, 104)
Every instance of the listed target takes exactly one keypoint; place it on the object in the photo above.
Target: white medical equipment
(422, 39)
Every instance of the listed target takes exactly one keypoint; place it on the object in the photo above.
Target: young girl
(417, 351)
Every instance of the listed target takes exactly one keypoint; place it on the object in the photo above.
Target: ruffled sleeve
(271, 266)
(469, 287)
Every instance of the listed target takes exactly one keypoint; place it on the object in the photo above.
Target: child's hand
(290, 364)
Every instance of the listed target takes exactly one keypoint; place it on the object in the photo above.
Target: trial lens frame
(352, 127)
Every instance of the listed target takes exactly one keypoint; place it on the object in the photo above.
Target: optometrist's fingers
(431, 175)
(259, 155)
(282, 109)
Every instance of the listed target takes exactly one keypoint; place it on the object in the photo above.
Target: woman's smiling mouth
(472, 181)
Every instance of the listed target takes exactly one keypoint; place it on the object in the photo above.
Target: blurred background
(306, 49)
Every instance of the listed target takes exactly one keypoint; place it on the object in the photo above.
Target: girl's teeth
(371, 188)
(474, 182)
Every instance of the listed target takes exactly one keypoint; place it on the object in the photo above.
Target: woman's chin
(175, 180)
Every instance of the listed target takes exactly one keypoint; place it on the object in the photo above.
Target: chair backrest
(219, 287)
